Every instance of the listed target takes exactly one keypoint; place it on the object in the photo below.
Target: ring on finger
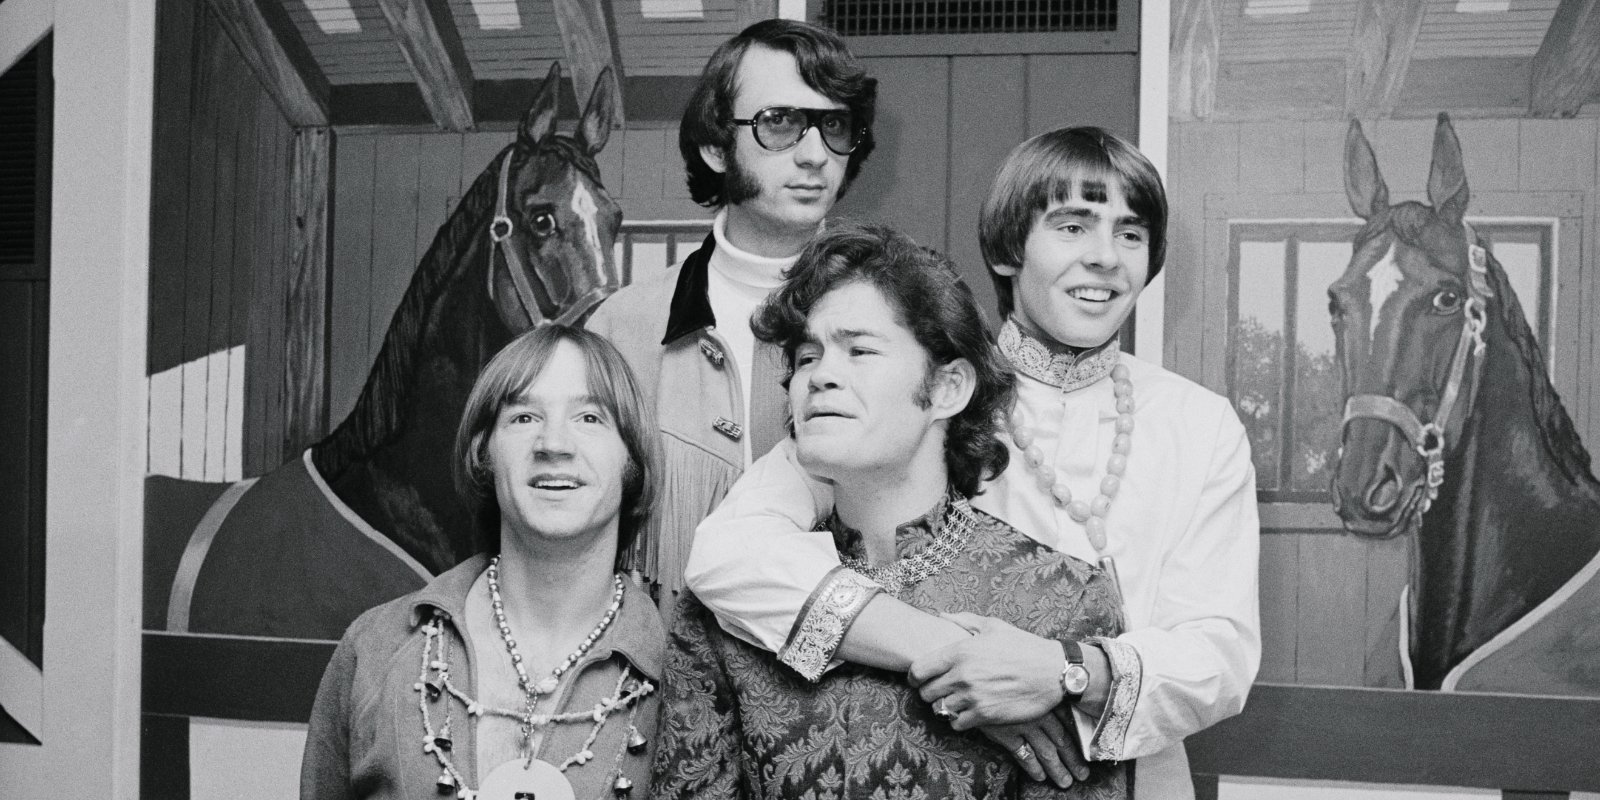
(1024, 752)
(941, 709)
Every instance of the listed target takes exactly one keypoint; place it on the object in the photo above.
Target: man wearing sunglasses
(776, 129)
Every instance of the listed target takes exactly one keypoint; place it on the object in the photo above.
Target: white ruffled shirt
(1183, 530)
(736, 283)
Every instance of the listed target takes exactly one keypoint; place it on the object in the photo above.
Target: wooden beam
(589, 37)
(22, 24)
(427, 35)
(495, 102)
(1535, 744)
(1380, 53)
(1196, 44)
(271, 45)
(306, 332)
(1566, 70)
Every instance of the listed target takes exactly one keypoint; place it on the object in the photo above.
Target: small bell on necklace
(435, 688)
(622, 787)
(636, 741)
(446, 784)
(443, 743)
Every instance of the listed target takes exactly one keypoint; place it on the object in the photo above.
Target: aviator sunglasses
(782, 127)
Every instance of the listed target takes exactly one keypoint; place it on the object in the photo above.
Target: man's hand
(1043, 748)
(1001, 675)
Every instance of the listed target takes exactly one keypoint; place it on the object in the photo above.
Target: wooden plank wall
(1324, 595)
(219, 231)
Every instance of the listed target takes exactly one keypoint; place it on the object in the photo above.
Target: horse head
(1408, 315)
(554, 223)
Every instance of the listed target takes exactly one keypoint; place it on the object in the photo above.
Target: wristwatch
(1074, 677)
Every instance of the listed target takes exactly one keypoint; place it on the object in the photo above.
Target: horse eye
(544, 224)
(1447, 302)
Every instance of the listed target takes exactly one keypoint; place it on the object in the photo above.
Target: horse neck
(1511, 523)
(397, 439)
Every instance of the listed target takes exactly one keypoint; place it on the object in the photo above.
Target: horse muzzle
(1385, 492)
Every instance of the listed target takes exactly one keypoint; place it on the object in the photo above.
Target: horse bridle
(1429, 438)
(500, 233)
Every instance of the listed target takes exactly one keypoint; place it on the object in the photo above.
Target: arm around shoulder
(755, 560)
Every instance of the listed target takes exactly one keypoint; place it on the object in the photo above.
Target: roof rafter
(1566, 70)
(270, 44)
(431, 44)
(1196, 49)
(1380, 53)
(589, 37)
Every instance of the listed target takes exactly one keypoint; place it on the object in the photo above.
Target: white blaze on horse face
(584, 206)
(1383, 280)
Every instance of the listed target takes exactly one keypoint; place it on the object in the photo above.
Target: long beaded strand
(1091, 514)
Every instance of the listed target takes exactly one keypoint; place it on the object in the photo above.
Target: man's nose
(554, 438)
(823, 374)
(1104, 253)
(810, 151)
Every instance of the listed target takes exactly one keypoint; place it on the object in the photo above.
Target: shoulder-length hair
(505, 379)
(932, 302)
(825, 64)
(1051, 168)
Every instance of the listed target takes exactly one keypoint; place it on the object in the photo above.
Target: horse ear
(1363, 186)
(541, 117)
(595, 126)
(1447, 178)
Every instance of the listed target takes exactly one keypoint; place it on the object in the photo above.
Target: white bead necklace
(1070, 373)
(1091, 514)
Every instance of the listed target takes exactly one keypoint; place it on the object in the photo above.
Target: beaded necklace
(435, 683)
(1069, 373)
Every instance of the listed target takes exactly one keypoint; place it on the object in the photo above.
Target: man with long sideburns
(1114, 460)
(776, 129)
(531, 670)
(893, 395)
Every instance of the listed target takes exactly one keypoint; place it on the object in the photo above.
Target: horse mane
(1556, 431)
(379, 411)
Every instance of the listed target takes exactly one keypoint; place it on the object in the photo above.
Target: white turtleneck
(737, 282)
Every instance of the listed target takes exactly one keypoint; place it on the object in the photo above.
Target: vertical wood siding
(218, 227)
(1326, 596)
(945, 123)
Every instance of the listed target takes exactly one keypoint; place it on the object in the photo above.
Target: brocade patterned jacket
(738, 723)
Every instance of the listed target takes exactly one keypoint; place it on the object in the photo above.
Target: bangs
(1085, 182)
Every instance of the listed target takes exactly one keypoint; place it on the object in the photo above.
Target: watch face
(1076, 679)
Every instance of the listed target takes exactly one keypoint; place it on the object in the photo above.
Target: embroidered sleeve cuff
(1110, 733)
(824, 619)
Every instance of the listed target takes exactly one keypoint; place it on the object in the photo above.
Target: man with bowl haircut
(893, 397)
(778, 126)
(1114, 460)
(532, 668)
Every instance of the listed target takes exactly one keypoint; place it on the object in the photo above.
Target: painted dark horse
(1454, 436)
(370, 512)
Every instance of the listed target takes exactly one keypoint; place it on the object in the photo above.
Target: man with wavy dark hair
(1115, 461)
(776, 129)
(894, 396)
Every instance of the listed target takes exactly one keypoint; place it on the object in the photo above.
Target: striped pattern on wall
(219, 237)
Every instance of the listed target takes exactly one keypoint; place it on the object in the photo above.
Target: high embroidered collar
(1036, 360)
(909, 536)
